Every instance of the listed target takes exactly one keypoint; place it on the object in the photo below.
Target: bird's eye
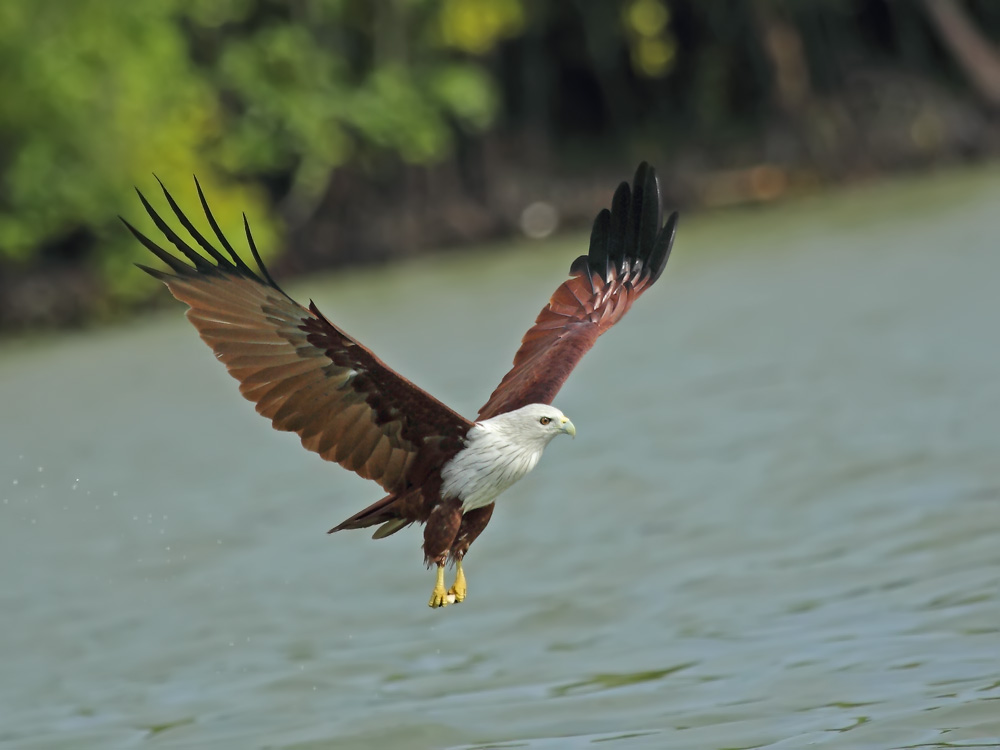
(545, 420)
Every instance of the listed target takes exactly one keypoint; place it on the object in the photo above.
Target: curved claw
(440, 597)
(459, 589)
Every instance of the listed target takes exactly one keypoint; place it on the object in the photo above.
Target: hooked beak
(568, 427)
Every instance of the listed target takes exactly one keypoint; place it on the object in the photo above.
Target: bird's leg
(440, 597)
(439, 534)
(458, 588)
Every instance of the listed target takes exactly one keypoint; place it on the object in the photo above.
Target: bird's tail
(383, 512)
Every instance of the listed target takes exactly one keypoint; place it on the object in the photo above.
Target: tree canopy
(267, 101)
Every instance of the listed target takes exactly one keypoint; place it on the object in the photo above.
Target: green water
(779, 525)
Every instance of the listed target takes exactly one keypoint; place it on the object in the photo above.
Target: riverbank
(883, 129)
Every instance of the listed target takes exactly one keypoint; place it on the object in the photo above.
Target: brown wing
(303, 373)
(629, 247)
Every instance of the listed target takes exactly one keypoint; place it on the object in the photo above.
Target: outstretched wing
(304, 374)
(629, 247)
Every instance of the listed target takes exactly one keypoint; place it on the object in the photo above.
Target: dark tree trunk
(977, 57)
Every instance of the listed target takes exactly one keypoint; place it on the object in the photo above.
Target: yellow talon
(458, 589)
(440, 597)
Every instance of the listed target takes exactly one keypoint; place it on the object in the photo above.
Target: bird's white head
(537, 423)
(499, 451)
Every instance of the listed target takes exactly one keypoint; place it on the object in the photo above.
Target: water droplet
(40, 469)
(15, 481)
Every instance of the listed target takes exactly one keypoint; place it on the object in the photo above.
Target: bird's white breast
(491, 461)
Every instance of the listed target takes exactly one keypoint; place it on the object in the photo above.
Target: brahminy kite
(440, 469)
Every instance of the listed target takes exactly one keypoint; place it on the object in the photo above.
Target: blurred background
(779, 525)
(357, 131)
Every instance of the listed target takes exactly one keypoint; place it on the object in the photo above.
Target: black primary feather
(233, 264)
(631, 230)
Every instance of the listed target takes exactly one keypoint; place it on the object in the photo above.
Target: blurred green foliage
(100, 93)
(651, 43)
(95, 93)
(367, 124)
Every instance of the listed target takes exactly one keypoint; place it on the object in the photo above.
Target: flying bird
(440, 469)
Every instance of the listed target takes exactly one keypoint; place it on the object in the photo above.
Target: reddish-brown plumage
(309, 377)
(441, 529)
(473, 524)
(602, 288)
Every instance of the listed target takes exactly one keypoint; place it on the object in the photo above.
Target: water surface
(778, 526)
